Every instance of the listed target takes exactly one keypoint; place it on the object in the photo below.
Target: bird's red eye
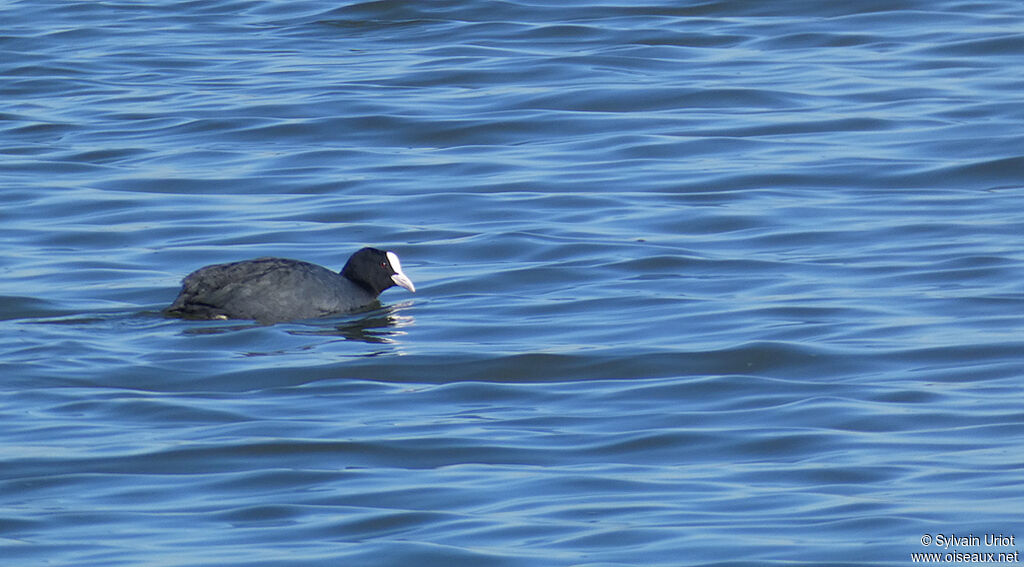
(384, 265)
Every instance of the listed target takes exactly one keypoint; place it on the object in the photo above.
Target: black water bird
(279, 289)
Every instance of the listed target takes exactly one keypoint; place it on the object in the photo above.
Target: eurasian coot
(279, 289)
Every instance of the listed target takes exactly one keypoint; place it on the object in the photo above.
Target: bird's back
(267, 289)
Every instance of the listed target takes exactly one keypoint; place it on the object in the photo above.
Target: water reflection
(380, 326)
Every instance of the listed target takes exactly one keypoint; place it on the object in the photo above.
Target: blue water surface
(698, 283)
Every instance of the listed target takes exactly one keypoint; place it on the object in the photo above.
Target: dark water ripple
(709, 284)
